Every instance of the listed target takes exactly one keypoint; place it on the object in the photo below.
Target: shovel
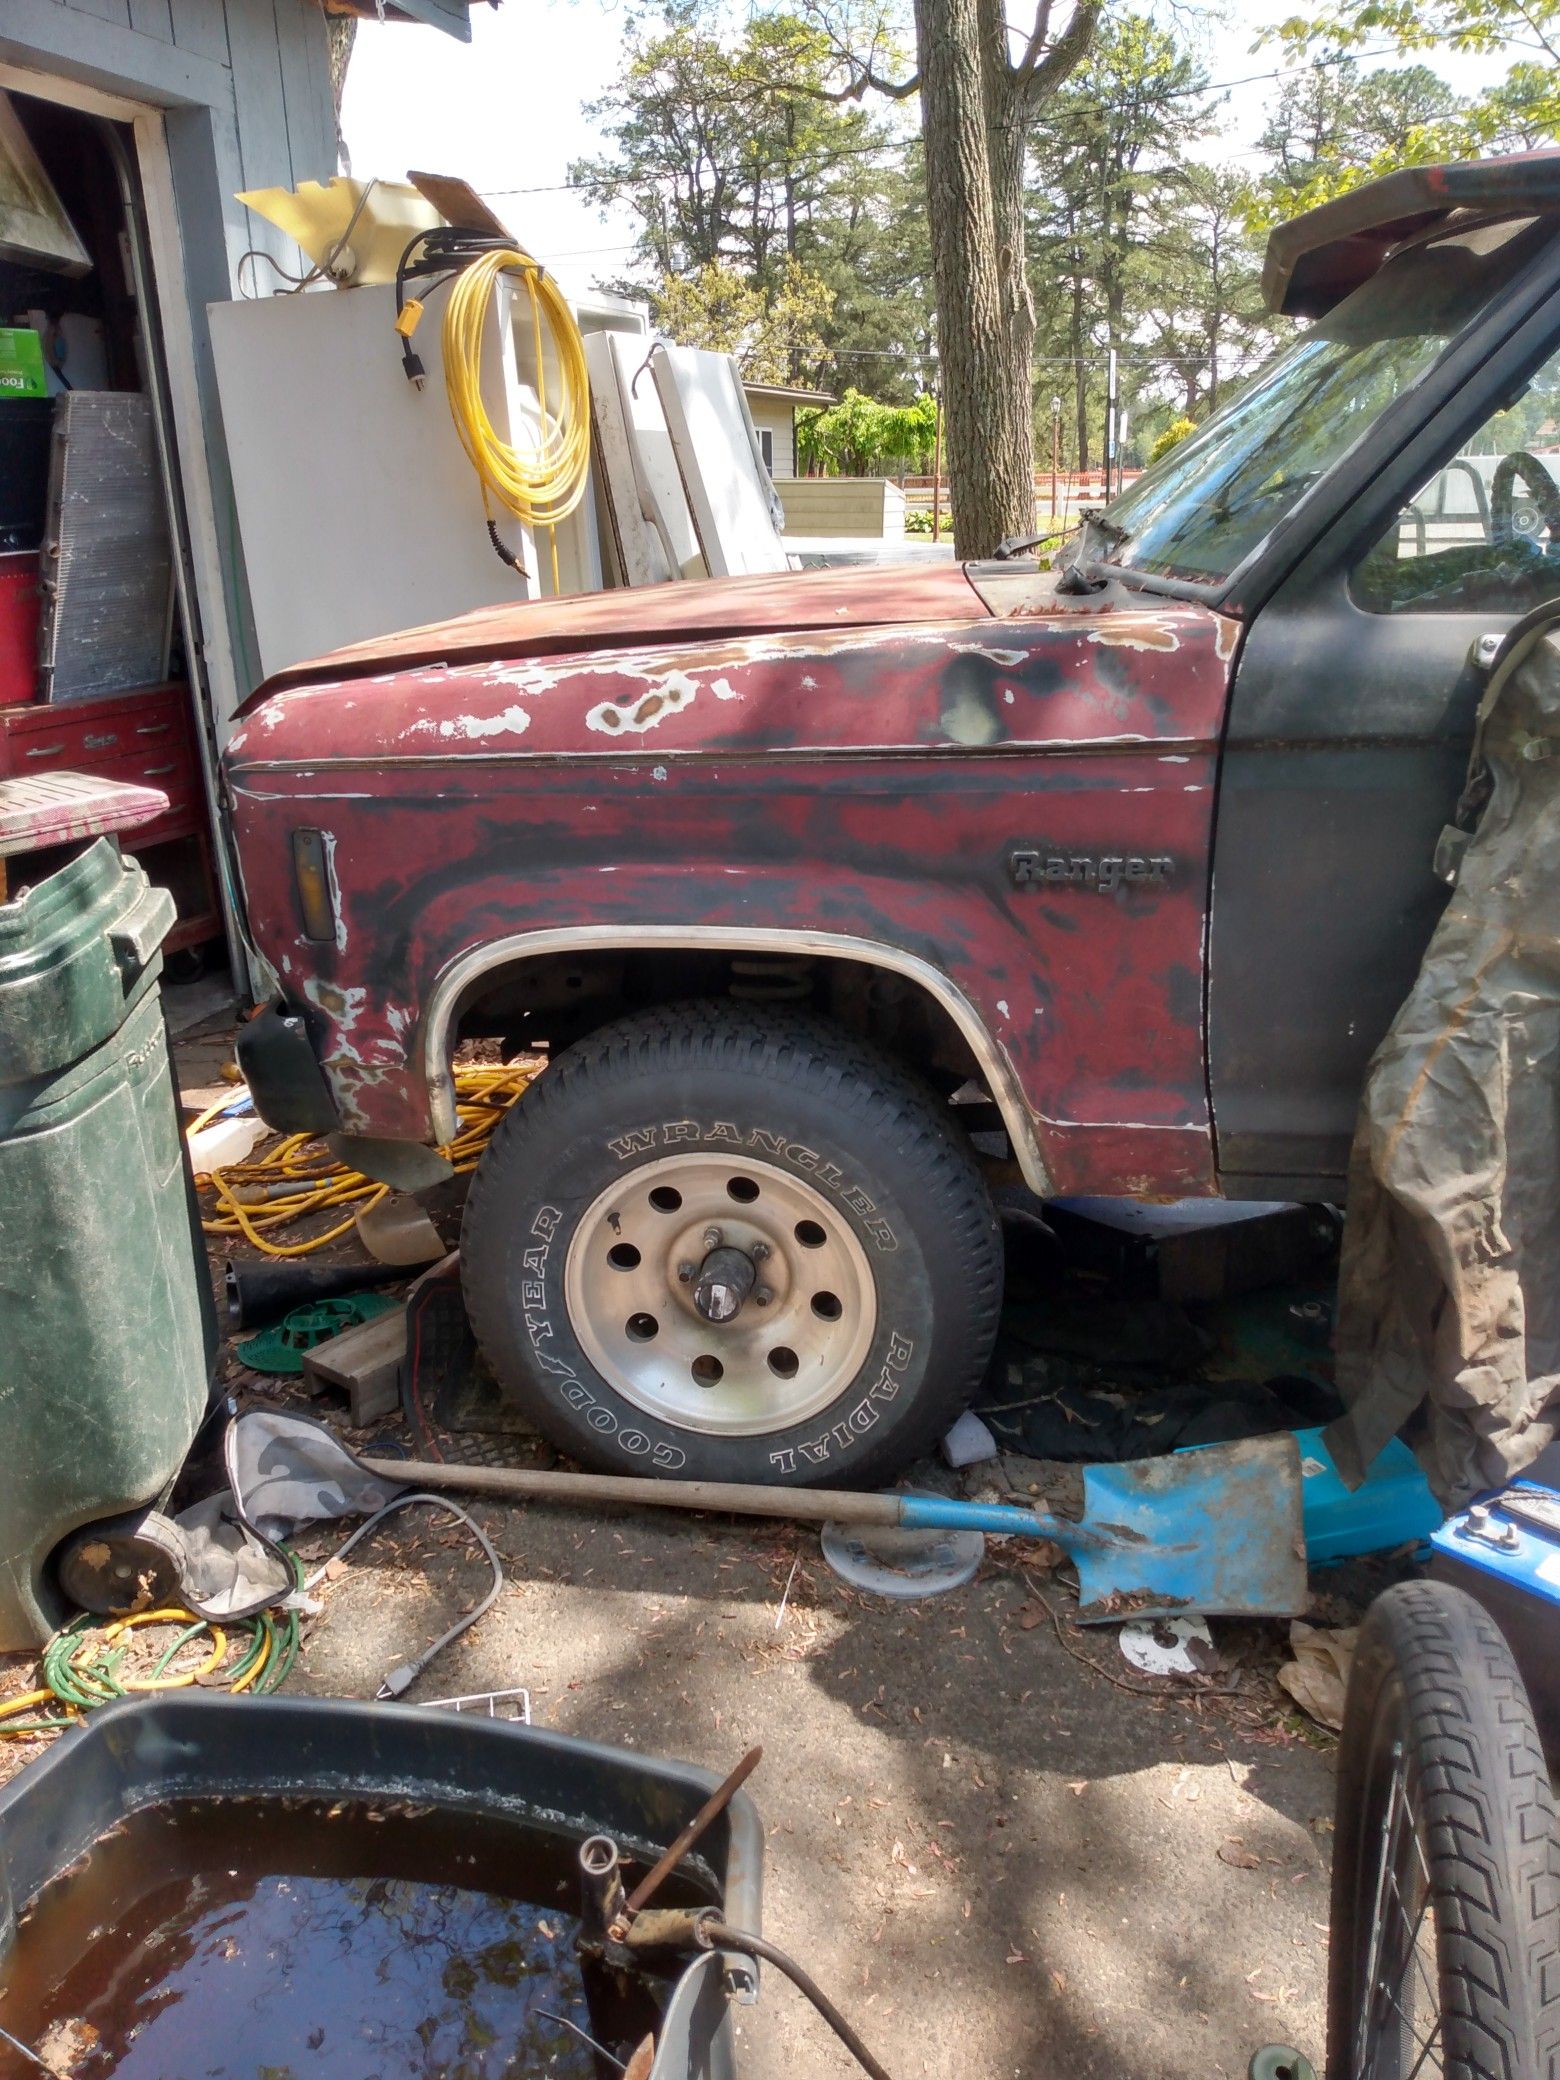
(1217, 1531)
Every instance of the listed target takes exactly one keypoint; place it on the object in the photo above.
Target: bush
(918, 520)
(858, 437)
(1172, 437)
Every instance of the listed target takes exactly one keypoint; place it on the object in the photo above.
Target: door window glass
(1483, 533)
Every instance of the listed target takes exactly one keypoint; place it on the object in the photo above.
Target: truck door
(1347, 742)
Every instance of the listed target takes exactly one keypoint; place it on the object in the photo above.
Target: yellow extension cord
(541, 486)
(300, 1177)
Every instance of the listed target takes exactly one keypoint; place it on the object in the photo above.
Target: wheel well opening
(544, 1002)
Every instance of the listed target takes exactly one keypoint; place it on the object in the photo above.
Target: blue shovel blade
(1218, 1531)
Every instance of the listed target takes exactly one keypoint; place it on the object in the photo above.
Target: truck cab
(831, 897)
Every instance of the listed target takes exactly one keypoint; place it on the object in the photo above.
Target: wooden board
(727, 486)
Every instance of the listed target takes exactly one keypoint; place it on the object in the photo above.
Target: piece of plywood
(366, 1360)
(728, 489)
(652, 530)
(358, 510)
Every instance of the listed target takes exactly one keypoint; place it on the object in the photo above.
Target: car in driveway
(836, 896)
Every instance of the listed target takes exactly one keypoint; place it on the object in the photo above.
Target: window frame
(1418, 433)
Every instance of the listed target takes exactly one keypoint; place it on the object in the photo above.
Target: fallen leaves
(1235, 1853)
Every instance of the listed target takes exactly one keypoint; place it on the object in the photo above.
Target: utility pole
(1056, 450)
(1112, 401)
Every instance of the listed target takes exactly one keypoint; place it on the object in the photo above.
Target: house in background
(819, 509)
(774, 407)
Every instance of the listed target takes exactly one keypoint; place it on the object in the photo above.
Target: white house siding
(872, 507)
(775, 418)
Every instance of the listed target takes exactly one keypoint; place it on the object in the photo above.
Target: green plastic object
(21, 363)
(281, 1348)
(107, 1327)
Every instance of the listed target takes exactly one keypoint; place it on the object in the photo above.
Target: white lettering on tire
(642, 1141)
(544, 1226)
(848, 1432)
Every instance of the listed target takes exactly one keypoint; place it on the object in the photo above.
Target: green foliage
(1353, 126)
(1336, 126)
(1136, 243)
(732, 156)
(858, 437)
(1172, 437)
(1423, 25)
(771, 328)
(918, 519)
(782, 213)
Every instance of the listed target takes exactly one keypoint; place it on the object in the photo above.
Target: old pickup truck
(831, 895)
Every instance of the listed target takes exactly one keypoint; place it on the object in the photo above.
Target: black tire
(1438, 1729)
(831, 1118)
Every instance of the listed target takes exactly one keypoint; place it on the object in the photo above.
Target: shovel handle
(518, 1483)
(945, 1513)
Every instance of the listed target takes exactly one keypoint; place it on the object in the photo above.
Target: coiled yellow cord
(541, 486)
(300, 1176)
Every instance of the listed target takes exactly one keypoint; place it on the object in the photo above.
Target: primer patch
(513, 722)
(1133, 632)
(669, 696)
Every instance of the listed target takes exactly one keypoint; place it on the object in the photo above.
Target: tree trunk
(989, 431)
(341, 34)
(1007, 148)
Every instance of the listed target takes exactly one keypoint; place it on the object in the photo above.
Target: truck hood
(643, 616)
(855, 661)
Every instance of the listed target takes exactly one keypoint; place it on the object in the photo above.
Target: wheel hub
(726, 1277)
(721, 1295)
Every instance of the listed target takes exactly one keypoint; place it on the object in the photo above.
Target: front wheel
(727, 1245)
(1444, 1957)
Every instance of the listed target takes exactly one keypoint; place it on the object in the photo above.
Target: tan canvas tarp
(1449, 1293)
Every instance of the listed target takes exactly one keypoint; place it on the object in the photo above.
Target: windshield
(1204, 507)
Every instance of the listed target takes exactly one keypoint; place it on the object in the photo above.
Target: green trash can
(107, 1328)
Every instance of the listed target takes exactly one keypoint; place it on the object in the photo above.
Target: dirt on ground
(998, 1856)
(1001, 1850)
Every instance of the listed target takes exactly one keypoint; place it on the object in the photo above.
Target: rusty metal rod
(709, 1812)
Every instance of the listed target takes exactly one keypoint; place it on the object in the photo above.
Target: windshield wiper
(1076, 576)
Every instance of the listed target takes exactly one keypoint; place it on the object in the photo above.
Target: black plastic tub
(146, 1756)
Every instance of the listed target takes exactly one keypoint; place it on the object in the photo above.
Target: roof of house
(786, 393)
(452, 16)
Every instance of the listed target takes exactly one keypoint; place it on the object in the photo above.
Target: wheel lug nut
(762, 1296)
(685, 1272)
(712, 1238)
(759, 1252)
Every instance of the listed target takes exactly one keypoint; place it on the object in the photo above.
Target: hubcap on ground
(720, 1294)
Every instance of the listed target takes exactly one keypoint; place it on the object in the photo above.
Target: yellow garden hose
(541, 485)
(299, 1176)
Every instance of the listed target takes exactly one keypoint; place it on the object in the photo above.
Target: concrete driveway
(998, 1861)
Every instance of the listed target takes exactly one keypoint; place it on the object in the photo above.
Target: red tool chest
(145, 737)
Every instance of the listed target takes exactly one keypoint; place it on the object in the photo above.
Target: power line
(905, 144)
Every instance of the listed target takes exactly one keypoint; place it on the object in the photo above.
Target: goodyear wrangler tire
(721, 1244)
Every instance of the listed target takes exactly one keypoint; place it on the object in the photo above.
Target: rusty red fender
(1017, 804)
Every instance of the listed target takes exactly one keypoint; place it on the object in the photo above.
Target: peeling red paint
(850, 778)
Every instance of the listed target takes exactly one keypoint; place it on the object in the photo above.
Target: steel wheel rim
(777, 1363)
(1401, 2035)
